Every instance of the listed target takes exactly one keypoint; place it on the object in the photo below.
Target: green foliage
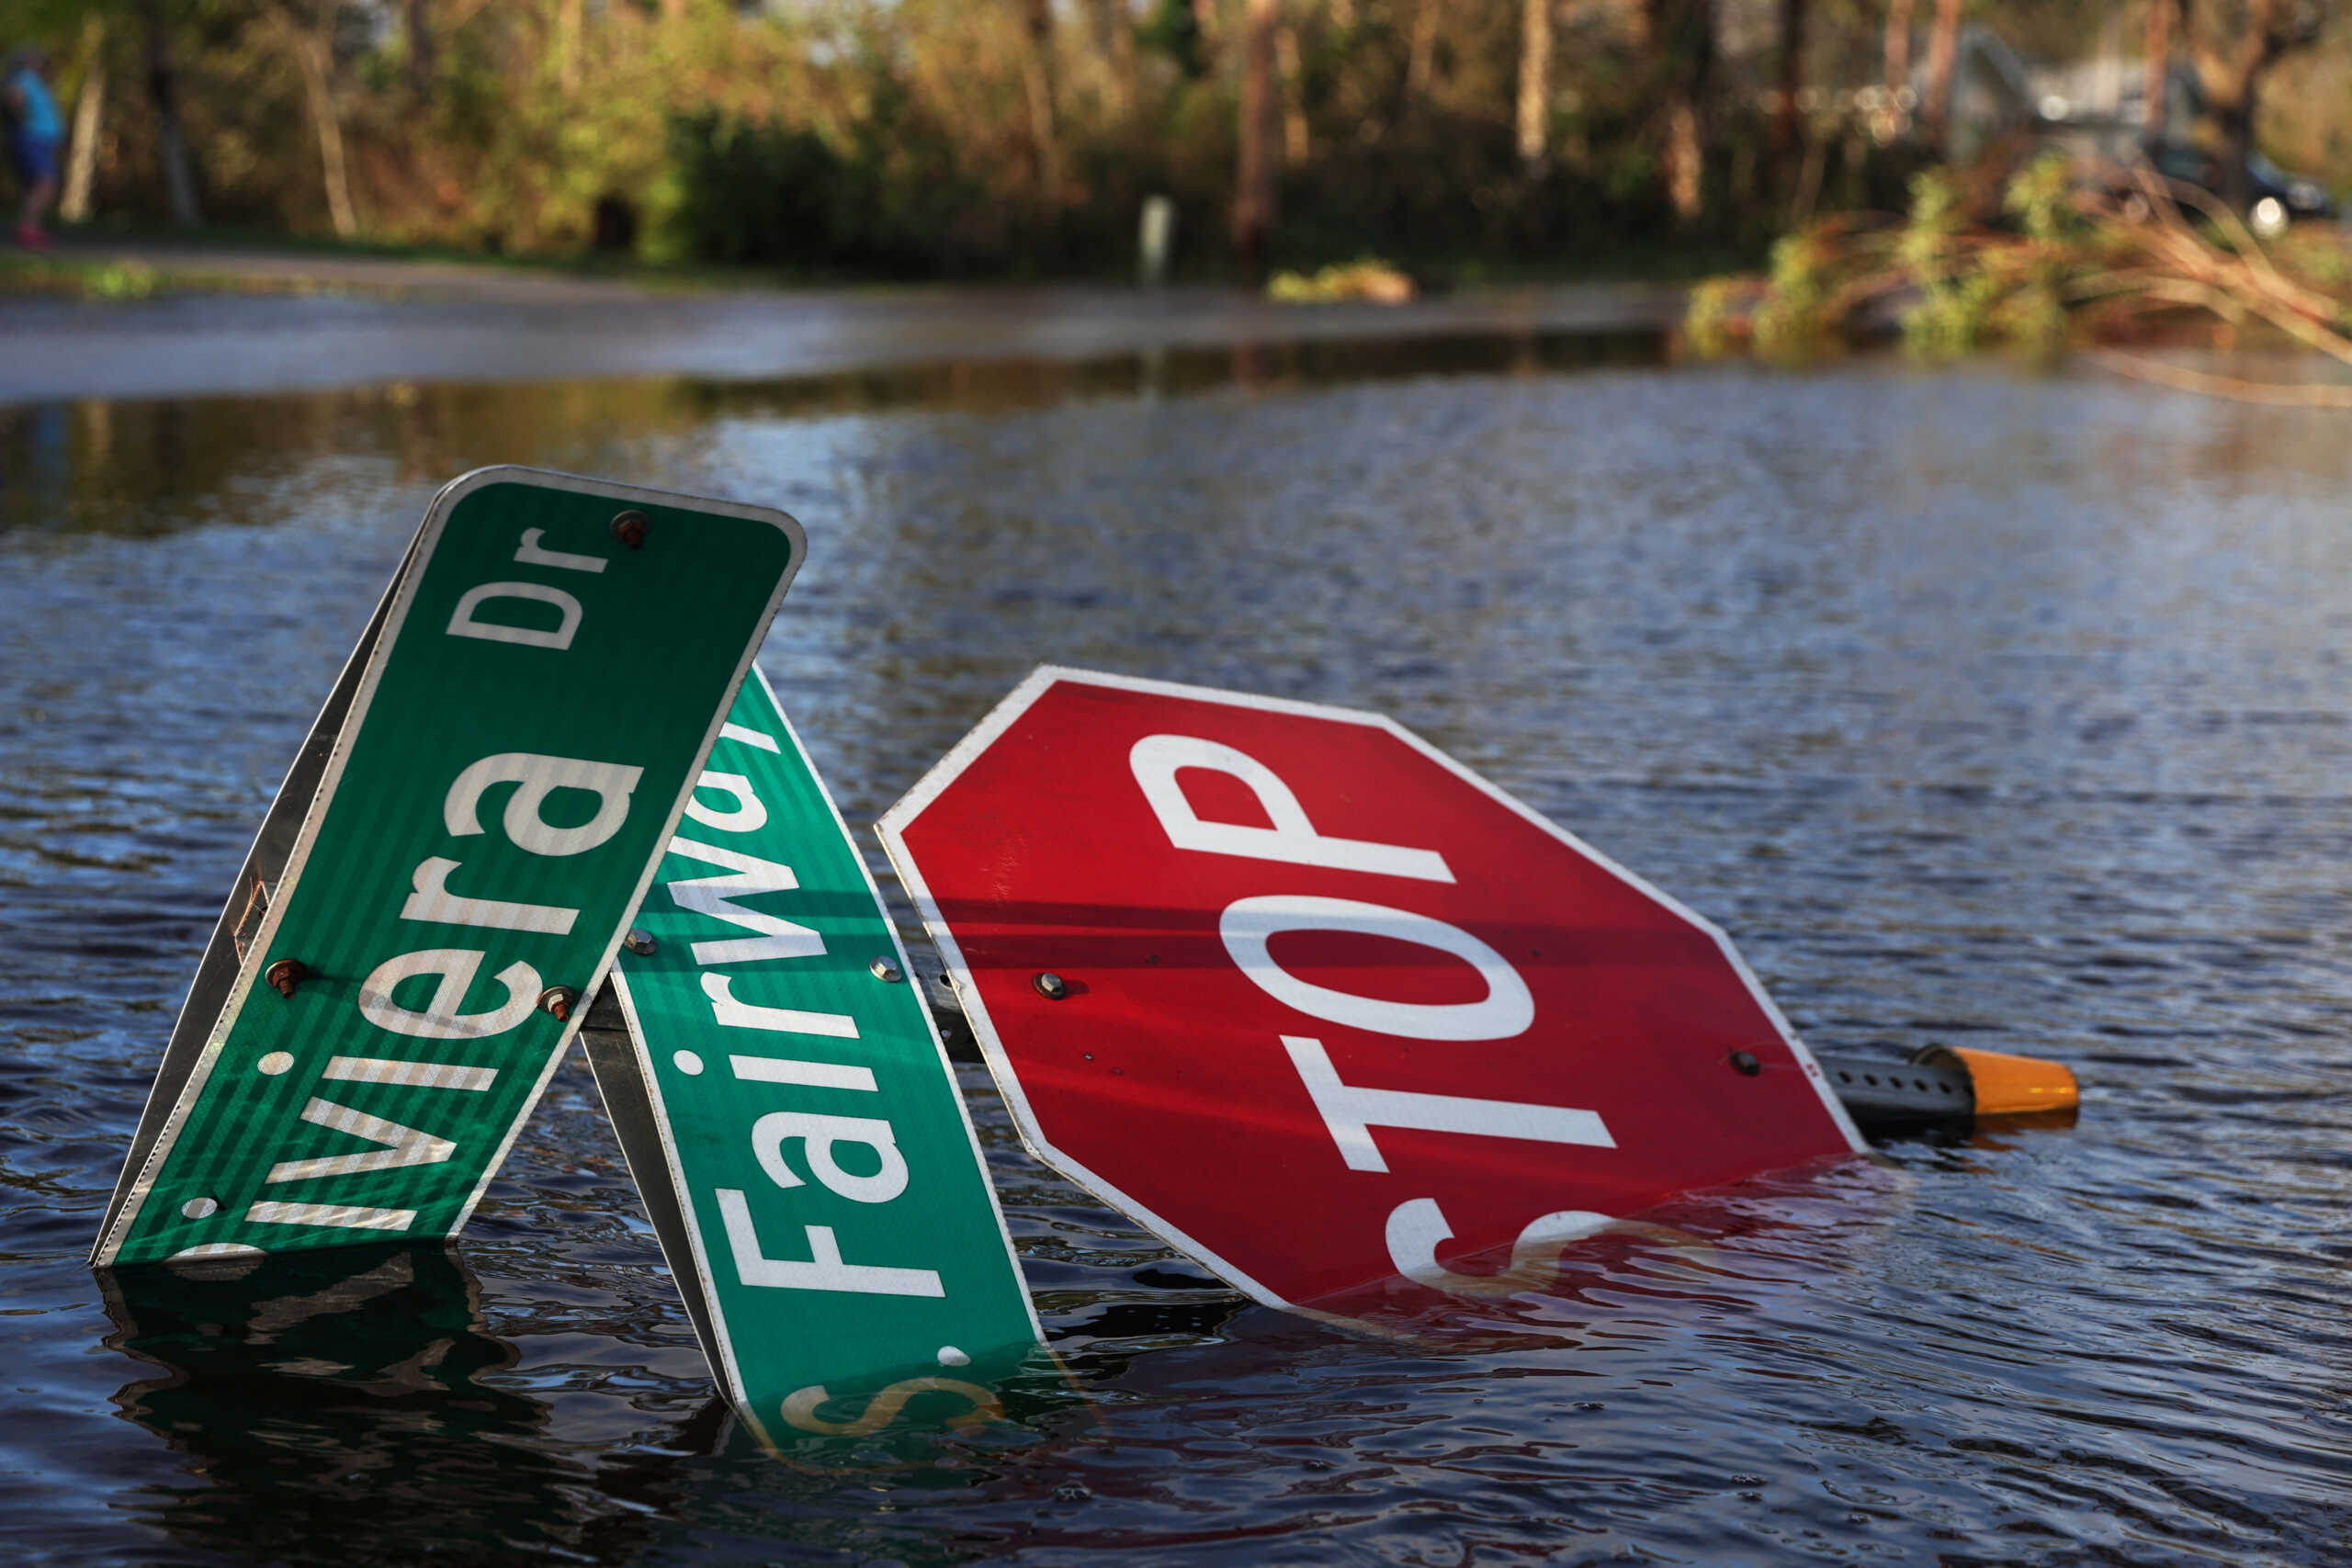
(1714, 324)
(2040, 197)
(1924, 248)
(1958, 285)
(761, 193)
(1972, 293)
(1954, 317)
(120, 281)
(896, 137)
(754, 193)
(1367, 279)
(81, 279)
(1792, 323)
(1173, 30)
(885, 137)
(1953, 310)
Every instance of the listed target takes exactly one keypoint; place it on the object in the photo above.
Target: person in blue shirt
(35, 131)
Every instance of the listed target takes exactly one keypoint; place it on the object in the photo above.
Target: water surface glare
(1980, 710)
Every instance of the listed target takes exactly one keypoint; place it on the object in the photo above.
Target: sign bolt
(629, 527)
(557, 1000)
(1745, 1064)
(640, 942)
(285, 974)
(885, 971)
(1050, 986)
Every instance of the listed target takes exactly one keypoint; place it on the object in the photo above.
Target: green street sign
(450, 865)
(792, 1119)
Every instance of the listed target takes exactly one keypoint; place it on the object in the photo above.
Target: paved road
(381, 321)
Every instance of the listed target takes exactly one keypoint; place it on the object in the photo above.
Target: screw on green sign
(450, 865)
(792, 1121)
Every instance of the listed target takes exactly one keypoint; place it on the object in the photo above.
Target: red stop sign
(1322, 1006)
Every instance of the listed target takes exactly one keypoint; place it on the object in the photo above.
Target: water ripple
(2007, 712)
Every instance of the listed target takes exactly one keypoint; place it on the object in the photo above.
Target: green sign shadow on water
(358, 1403)
(352, 1404)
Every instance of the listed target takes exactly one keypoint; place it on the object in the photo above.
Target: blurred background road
(332, 322)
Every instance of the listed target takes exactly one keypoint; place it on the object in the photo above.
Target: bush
(754, 194)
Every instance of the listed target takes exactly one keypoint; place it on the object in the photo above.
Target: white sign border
(891, 828)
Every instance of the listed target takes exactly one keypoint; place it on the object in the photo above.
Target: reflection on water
(327, 1398)
(1997, 711)
(132, 466)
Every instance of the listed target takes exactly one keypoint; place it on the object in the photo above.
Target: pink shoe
(32, 236)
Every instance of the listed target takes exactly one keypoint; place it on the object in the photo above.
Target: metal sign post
(450, 865)
(1322, 1007)
(792, 1119)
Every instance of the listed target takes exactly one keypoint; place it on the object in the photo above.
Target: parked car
(2277, 198)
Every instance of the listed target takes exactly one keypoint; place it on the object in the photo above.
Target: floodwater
(1980, 708)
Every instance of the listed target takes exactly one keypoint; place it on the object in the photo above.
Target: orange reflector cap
(2005, 1085)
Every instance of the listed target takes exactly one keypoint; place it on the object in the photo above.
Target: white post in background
(1155, 237)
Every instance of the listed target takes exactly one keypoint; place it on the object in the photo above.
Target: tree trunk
(2156, 87)
(89, 114)
(1686, 156)
(316, 60)
(2107, 82)
(2231, 84)
(1208, 33)
(1678, 37)
(569, 21)
(1787, 133)
(1037, 79)
(171, 143)
(1114, 35)
(1254, 189)
(1296, 147)
(1943, 51)
(419, 25)
(1421, 59)
(1534, 86)
(2235, 123)
(1898, 49)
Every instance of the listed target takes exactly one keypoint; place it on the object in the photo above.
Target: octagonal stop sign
(1322, 1006)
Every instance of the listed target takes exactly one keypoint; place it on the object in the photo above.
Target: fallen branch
(2180, 378)
(2072, 260)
